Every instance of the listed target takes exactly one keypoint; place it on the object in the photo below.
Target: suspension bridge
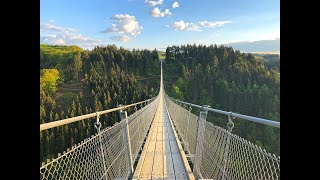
(163, 140)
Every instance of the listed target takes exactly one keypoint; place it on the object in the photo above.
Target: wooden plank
(147, 169)
(170, 170)
(179, 170)
(162, 156)
(157, 169)
(147, 153)
(137, 172)
(168, 161)
(182, 160)
(168, 173)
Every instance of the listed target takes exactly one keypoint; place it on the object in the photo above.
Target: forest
(229, 80)
(74, 82)
(270, 60)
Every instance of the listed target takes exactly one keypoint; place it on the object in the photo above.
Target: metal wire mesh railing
(104, 155)
(221, 154)
(186, 125)
(139, 124)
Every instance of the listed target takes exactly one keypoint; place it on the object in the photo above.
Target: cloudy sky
(157, 23)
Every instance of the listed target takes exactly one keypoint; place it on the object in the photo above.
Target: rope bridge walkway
(163, 140)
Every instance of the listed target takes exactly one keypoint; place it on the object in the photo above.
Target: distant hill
(270, 60)
(270, 46)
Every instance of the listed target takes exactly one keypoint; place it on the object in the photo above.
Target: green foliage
(49, 79)
(176, 93)
(93, 80)
(162, 55)
(51, 55)
(228, 80)
(72, 67)
(271, 60)
(65, 99)
(67, 59)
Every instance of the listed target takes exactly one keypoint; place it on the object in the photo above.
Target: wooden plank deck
(162, 156)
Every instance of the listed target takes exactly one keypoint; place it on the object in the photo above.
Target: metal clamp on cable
(97, 124)
(230, 123)
(204, 106)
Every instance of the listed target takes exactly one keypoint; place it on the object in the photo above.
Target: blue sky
(156, 23)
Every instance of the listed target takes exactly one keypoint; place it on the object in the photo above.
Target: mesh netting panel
(186, 125)
(104, 155)
(223, 155)
(139, 124)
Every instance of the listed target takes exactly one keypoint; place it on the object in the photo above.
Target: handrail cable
(235, 115)
(86, 116)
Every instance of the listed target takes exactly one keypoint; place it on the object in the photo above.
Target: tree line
(74, 82)
(101, 78)
(229, 80)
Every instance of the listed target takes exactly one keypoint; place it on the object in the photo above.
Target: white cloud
(53, 34)
(181, 25)
(123, 38)
(175, 5)
(167, 12)
(213, 24)
(154, 3)
(157, 13)
(51, 27)
(60, 41)
(193, 27)
(125, 26)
